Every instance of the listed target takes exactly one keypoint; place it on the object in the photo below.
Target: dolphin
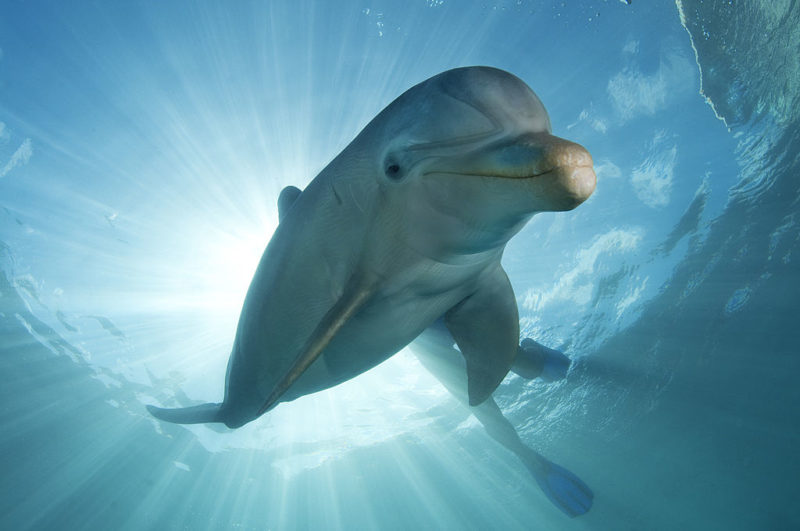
(405, 226)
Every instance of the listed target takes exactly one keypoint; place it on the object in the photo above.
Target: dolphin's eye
(393, 171)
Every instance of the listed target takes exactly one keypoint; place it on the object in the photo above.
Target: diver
(435, 349)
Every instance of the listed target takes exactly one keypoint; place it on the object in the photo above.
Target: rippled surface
(142, 149)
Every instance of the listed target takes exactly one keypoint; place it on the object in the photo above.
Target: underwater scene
(416, 349)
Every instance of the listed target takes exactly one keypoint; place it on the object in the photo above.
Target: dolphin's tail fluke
(188, 415)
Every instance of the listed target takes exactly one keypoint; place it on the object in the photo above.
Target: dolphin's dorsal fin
(485, 326)
(286, 199)
(347, 306)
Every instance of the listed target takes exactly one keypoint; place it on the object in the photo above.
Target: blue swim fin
(562, 487)
(555, 365)
(188, 415)
(535, 360)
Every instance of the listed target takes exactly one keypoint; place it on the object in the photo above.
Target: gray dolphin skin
(407, 225)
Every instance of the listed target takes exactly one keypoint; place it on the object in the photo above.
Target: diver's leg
(434, 349)
(563, 488)
(535, 360)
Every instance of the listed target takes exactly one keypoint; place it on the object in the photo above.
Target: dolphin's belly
(377, 332)
(296, 285)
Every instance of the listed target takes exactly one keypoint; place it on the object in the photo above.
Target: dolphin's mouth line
(511, 177)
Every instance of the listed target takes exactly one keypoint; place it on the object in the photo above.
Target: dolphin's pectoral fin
(286, 199)
(188, 415)
(485, 326)
(334, 319)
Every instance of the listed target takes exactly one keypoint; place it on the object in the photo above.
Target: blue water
(142, 149)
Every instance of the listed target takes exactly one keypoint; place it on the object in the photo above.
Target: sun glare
(230, 268)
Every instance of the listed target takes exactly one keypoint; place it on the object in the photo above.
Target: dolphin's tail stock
(566, 490)
(188, 415)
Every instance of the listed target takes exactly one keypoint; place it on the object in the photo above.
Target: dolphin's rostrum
(406, 225)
